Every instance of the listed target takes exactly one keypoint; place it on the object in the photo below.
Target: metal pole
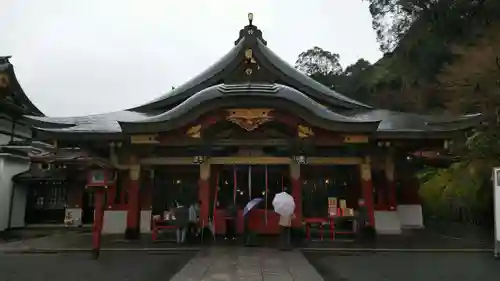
(249, 182)
(496, 202)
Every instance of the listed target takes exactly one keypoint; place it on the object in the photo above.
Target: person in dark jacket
(181, 213)
(231, 218)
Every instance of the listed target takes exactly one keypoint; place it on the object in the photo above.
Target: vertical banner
(266, 179)
(496, 198)
(249, 182)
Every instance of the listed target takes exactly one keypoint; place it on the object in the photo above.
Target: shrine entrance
(238, 184)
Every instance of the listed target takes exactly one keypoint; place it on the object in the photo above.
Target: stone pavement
(58, 240)
(111, 266)
(248, 264)
(406, 266)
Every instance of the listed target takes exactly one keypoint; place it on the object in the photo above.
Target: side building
(13, 128)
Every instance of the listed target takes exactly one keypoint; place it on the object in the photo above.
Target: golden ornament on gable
(249, 118)
(194, 132)
(4, 80)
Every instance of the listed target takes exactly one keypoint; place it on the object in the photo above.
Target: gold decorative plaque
(304, 131)
(249, 119)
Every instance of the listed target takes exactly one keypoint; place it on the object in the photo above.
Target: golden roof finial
(250, 18)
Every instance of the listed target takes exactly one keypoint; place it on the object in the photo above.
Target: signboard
(496, 201)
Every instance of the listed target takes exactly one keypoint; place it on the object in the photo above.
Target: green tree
(319, 64)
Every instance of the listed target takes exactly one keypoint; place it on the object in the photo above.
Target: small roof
(12, 91)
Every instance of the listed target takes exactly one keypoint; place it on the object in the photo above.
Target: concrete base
(411, 216)
(115, 222)
(145, 221)
(387, 222)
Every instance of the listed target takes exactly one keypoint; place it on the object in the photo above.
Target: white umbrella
(283, 204)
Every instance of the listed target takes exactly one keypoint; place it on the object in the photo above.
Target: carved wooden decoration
(304, 131)
(249, 119)
(194, 132)
(144, 139)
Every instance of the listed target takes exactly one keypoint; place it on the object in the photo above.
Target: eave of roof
(250, 95)
(7, 67)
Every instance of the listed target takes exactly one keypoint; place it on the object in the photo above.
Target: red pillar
(98, 220)
(132, 231)
(204, 193)
(296, 192)
(367, 190)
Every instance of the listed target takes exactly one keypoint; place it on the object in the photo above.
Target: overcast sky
(75, 57)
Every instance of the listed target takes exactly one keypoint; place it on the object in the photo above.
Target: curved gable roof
(251, 37)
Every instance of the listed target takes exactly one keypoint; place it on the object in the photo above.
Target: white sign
(496, 201)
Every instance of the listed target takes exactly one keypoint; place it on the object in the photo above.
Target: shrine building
(249, 126)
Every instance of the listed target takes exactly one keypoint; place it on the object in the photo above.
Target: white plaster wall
(19, 206)
(411, 216)
(387, 222)
(115, 222)
(145, 221)
(76, 214)
(9, 167)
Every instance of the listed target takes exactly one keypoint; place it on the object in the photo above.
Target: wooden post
(132, 232)
(367, 189)
(296, 192)
(98, 221)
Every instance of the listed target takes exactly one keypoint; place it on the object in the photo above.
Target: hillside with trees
(439, 56)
